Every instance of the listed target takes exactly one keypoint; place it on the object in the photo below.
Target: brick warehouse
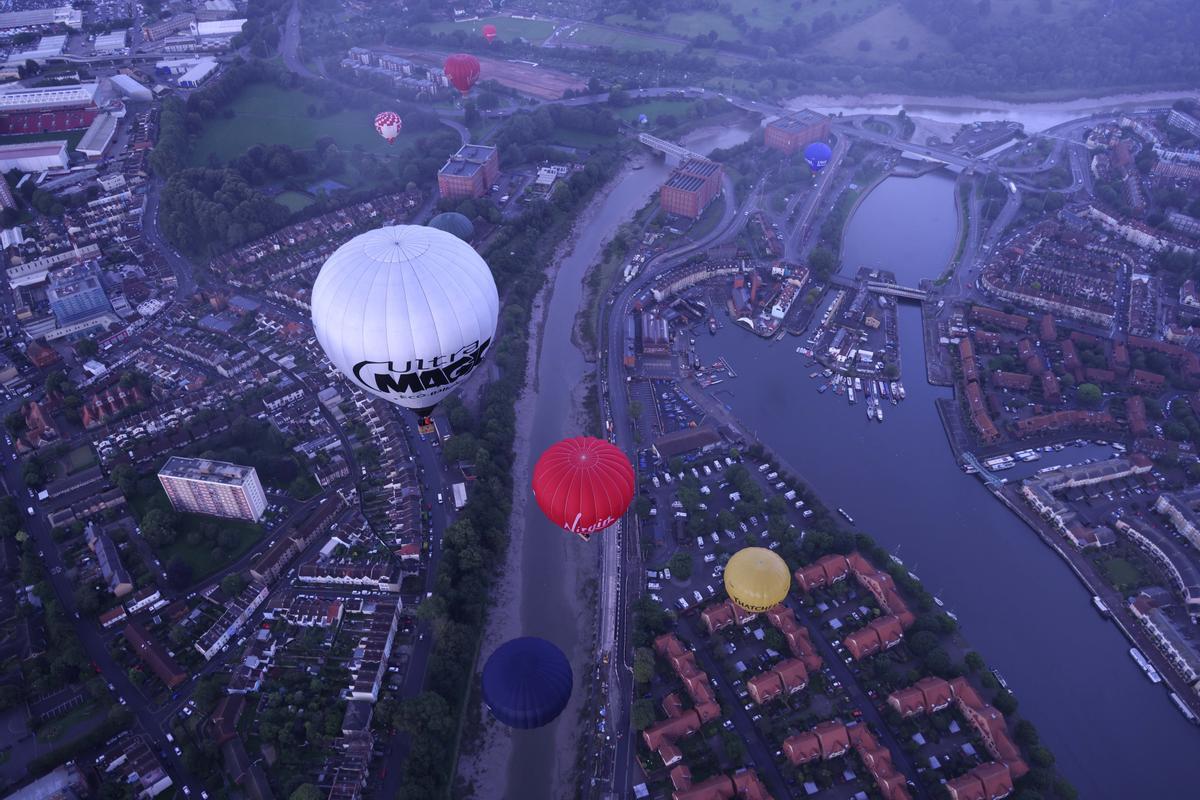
(469, 172)
(691, 187)
(791, 133)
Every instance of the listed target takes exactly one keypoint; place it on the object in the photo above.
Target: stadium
(48, 109)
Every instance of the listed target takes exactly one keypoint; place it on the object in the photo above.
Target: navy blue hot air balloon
(527, 682)
(817, 155)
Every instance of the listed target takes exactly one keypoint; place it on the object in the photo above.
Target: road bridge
(896, 290)
(990, 478)
(674, 153)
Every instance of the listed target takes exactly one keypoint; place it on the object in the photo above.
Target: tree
(643, 665)
(233, 584)
(681, 565)
(179, 572)
(87, 348)
(635, 409)
(823, 262)
(974, 661)
(1089, 394)
(643, 715)
(1005, 702)
(306, 791)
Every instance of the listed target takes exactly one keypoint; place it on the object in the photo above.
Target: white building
(226, 28)
(131, 89)
(98, 137)
(197, 74)
(62, 15)
(111, 42)
(34, 156)
(218, 488)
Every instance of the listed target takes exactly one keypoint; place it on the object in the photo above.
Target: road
(185, 277)
(628, 570)
(289, 44)
(89, 635)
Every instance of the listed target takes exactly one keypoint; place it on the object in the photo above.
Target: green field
(690, 24)
(535, 30)
(203, 558)
(79, 458)
(267, 114)
(1122, 574)
(71, 137)
(598, 36)
(652, 109)
(294, 200)
(772, 14)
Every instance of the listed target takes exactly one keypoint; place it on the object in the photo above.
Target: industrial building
(131, 89)
(47, 109)
(162, 28)
(469, 172)
(75, 294)
(197, 74)
(47, 47)
(62, 15)
(220, 28)
(34, 156)
(98, 137)
(691, 187)
(110, 42)
(791, 133)
(219, 488)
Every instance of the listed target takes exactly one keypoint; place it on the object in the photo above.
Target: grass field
(772, 14)
(1122, 574)
(621, 40)
(202, 557)
(80, 458)
(71, 137)
(884, 30)
(294, 200)
(55, 729)
(652, 109)
(689, 25)
(582, 140)
(535, 30)
(266, 114)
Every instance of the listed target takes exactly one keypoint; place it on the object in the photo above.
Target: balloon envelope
(756, 579)
(463, 70)
(527, 682)
(817, 155)
(388, 125)
(405, 312)
(583, 484)
(489, 32)
(455, 223)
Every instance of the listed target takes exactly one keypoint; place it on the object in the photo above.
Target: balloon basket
(426, 427)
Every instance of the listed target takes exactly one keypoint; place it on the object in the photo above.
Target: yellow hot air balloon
(756, 579)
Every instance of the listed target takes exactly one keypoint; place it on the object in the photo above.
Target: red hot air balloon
(388, 125)
(489, 32)
(583, 484)
(463, 70)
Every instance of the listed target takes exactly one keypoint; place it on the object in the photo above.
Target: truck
(460, 495)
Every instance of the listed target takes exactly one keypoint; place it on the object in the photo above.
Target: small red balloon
(489, 32)
(583, 485)
(463, 71)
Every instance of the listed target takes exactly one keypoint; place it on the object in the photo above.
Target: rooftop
(468, 160)
(203, 469)
(799, 120)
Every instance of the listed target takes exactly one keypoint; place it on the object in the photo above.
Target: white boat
(896, 559)
(870, 408)
(1183, 709)
(849, 518)
(1146, 666)
(900, 386)
(1000, 679)
(938, 600)
(879, 412)
(1100, 606)
(858, 384)
(850, 394)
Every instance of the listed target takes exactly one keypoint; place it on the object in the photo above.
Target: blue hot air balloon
(527, 682)
(817, 155)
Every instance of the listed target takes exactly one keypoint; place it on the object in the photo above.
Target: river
(1114, 733)
(1035, 116)
(546, 608)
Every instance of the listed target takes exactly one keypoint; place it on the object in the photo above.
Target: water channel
(1114, 733)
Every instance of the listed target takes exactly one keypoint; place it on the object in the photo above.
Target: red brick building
(795, 131)
(691, 187)
(469, 173)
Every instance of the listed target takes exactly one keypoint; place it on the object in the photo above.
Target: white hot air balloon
(406, 313)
